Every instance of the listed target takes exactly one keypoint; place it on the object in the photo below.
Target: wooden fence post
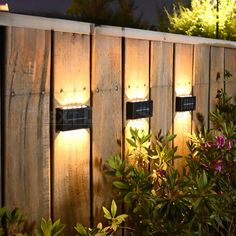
(27, 154)
(71, 161)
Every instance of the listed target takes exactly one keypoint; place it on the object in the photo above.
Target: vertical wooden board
(27, 154)
(136, 81)
(216, 74)
(2, 65)
(107, 115)
(201, 82)
(183, 73)
(230, 65)
(161, 87)
(71, 161)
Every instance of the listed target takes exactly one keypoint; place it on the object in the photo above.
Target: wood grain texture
(230, 65)
(107, 115)
(183, 72)
(136, 81)
(216, 74)
(2, 68)
(162, 87)
(71, 161)
(201, 83)
(27, 154)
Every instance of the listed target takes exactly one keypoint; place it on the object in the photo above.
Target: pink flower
(220, 141)
(230, 144)
(217, 165)
(162, 173)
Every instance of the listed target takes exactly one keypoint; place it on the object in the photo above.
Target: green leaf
(146, 138)
(204, 178)
(121, 218)
(196, 204)
(81, 229)
(113, 208)
(131, 142)
(129, 196)
(120, 185)
(107, 214)
(38, 233)
(114, 226)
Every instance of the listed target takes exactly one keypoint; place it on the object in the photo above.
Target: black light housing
(140, 109)
(73, 118)
(186, 103)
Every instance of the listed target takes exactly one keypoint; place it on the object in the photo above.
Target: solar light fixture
(73, 118)
(139, 109)
(186, 103)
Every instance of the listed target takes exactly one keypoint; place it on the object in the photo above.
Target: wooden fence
(47, 63)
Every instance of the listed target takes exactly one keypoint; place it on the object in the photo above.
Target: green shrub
(200, 199)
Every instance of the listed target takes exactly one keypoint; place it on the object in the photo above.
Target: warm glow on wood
(69, 139)
(141, 124)
(76, 98)
(4, 7)
(183, 88)
(137, 89)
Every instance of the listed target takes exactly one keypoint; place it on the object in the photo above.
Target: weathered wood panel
(230, 65)
(27, 154)
(71, 161)
(216, 74)
(183, 72)
(136, 81)
(136, 84)
(2, 69)
(201, 83)
(107, 115)
(162, 87)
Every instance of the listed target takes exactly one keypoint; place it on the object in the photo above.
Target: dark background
(57, 8)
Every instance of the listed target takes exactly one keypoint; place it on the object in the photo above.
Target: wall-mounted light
(139, 109)
(73, 118)
(185, 103)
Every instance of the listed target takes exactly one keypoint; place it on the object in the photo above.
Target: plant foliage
(202, 18)
(200, 199)
(111, 12)
(50, 228)
(113, 220)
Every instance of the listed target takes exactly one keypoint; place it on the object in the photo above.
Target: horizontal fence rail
(60, 174)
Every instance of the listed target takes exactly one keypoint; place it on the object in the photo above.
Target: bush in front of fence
(200, 198)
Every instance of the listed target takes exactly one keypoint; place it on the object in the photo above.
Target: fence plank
(136, 83)
(183, 72)
(107, 115)
(230, 65)
(71, 162)
(201, 82)
(216, 74)
(2, 69)
(27, 154)
(161, 87)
